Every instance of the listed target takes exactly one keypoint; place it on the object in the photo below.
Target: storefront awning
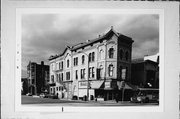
(125, 86)
(96, 84)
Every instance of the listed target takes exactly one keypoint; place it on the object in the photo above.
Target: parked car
(144, 95)
(42, 95)
(29, 94)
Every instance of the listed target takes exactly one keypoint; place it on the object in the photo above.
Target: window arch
(110, 70)
(111, 52)
(127, 55)
(121, 54)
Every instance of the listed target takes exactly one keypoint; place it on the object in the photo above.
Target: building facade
(145, 72)
(94, 68)
(38, 77)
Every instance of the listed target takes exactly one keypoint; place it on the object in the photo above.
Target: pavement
(34, 100)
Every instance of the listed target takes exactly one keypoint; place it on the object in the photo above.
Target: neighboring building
(24, 83)
(103, 62)
(145, 72)
(38, 77)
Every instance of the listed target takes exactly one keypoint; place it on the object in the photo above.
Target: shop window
(111, 52)
(110, 70)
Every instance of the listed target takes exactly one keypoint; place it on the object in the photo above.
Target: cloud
(48, 34)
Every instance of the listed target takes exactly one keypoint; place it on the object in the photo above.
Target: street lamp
(87, 74)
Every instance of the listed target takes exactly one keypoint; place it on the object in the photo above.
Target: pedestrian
(117, 97)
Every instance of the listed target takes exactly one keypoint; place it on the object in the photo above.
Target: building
(95, 68)
(145, 72)
(38, 77)
(24, 83)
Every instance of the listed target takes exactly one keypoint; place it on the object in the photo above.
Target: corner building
(103, 63)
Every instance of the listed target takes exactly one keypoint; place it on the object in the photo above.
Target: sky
(44, 35)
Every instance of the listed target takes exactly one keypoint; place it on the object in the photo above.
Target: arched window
(89, 57)
(83, 59)
(110, 70)
(111, 52)
(101, 71)
(93, 56)
(127, 56)
(101, 54)
(121, 54)
(67, 63)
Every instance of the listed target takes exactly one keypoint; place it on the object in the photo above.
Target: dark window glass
(93, 56)
(111, 52)
(127, 56)
(83, 59)
(121, 54)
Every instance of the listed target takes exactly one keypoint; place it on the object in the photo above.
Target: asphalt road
(29, 100)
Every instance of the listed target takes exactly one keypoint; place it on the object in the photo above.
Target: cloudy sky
(44, 35)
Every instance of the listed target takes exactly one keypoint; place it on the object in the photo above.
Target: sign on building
(123, 74)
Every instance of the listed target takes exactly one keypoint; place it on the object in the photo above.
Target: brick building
(102, 63)
(38, 77)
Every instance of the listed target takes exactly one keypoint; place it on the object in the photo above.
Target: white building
(108, 59)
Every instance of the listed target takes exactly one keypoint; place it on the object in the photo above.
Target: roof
(89, 42)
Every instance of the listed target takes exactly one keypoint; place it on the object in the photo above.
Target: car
(42, 95)
(29, 94)
(146, 96)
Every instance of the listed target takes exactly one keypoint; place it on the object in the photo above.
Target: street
(36, 101)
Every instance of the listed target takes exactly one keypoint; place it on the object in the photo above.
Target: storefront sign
(123, 74)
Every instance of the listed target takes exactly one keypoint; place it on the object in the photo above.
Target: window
(121, 54)
(110, 70)
(101, 71)
(101, 54)
(83, 59)
(52, 78)
(76, 61)
(67, 75)
(89, 57)
(111, 52)
(57, 77)
(62, 65)
(91, 72)
(82, 73)
(67, 63)
(92, 56)
(57, 88)
(127, 56)
(76, 74)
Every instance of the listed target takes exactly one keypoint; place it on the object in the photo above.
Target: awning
(96, 84)
(126, 86)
